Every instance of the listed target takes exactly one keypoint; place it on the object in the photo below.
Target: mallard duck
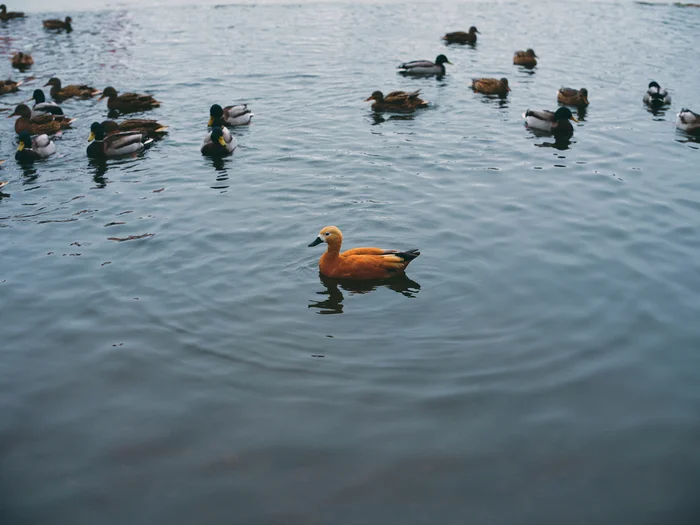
(655, 96)
(526, 58)
(5, 15)
(35, 148)
(21, 60)
(397, 101)
(556, 122)
(238, 115)
(425, 67)
(9, 86)
(218, 143)
(359, 263)
(59, 25)
(491, 86)
(116, 144)
(128, 102)
(47, 123)
(462, 37)
(688, 121)
(74, 90)
(572, 97)
(151, 128)
(42, 107)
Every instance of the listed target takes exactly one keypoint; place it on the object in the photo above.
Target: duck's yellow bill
(450, 62)
(222, 141)
(21, 146)
(574, 118)
(100, 98)
(91, 136)
(211, 121)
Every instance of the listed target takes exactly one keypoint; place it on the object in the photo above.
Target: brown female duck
(572, 97)
(74, 90)
(462, 37)
(9, 86)
(491, 86)
(128, 102)
(151, 128)
(44, 124)
(59, 25)
(526, 58)
(5, 15)
(21, 60)
(397, 101)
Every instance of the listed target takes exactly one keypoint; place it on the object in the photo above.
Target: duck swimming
(128, 102)
(572, 97)
(655, 96)
(688, 121)
(218, 143)
(21, 60)
(556, 122)
(526, 58)
(59, 25)
(462, 37)
(46, 123)
(9, 86)
(36, 148)
(115, 145)
(7, 15)
(491, 86)
(74, 90)
(425, 67)
(359, 263)
(42, 107)
(238, 115)
(397, 101)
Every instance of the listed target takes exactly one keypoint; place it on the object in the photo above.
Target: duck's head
(330, 235)
(215, 113)
(53, 82)
(531, 53)
(377, 95)
(21, 111)
(442, 59)
(68, 20)
(654, 84)
(108, 92)
(25, 141)
(38, 96)
(473, 30)
(217, 135)
(3, 8)
(504, 83)
(97, 132)
(583, 92)
(564, 113)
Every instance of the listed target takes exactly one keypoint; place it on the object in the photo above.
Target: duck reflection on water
(334, 288)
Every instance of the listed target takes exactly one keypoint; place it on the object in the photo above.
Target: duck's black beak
(316, 242)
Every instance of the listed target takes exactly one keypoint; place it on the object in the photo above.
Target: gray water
(539, 364)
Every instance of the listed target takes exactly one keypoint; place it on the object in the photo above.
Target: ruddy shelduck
(359, 263)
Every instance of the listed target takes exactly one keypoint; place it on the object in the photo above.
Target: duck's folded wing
(568, 92)
(123, 140)
(42, 119)
(416, 63)
(236, 111)
(367, 251)
(542, 114)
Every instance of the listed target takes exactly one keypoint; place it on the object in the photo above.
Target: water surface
(539, 364)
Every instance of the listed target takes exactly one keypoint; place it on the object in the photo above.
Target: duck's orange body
(359, 264)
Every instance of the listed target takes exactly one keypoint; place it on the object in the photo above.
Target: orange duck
(359, 263)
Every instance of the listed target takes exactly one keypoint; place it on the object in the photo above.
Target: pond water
(539, 363)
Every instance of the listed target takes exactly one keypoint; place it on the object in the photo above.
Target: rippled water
(538, 365)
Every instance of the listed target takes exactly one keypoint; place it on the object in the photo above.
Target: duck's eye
(328, 233)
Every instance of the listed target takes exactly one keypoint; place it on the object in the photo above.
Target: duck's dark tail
(408, 255)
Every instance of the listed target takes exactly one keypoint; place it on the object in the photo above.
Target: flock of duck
(36, 125)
